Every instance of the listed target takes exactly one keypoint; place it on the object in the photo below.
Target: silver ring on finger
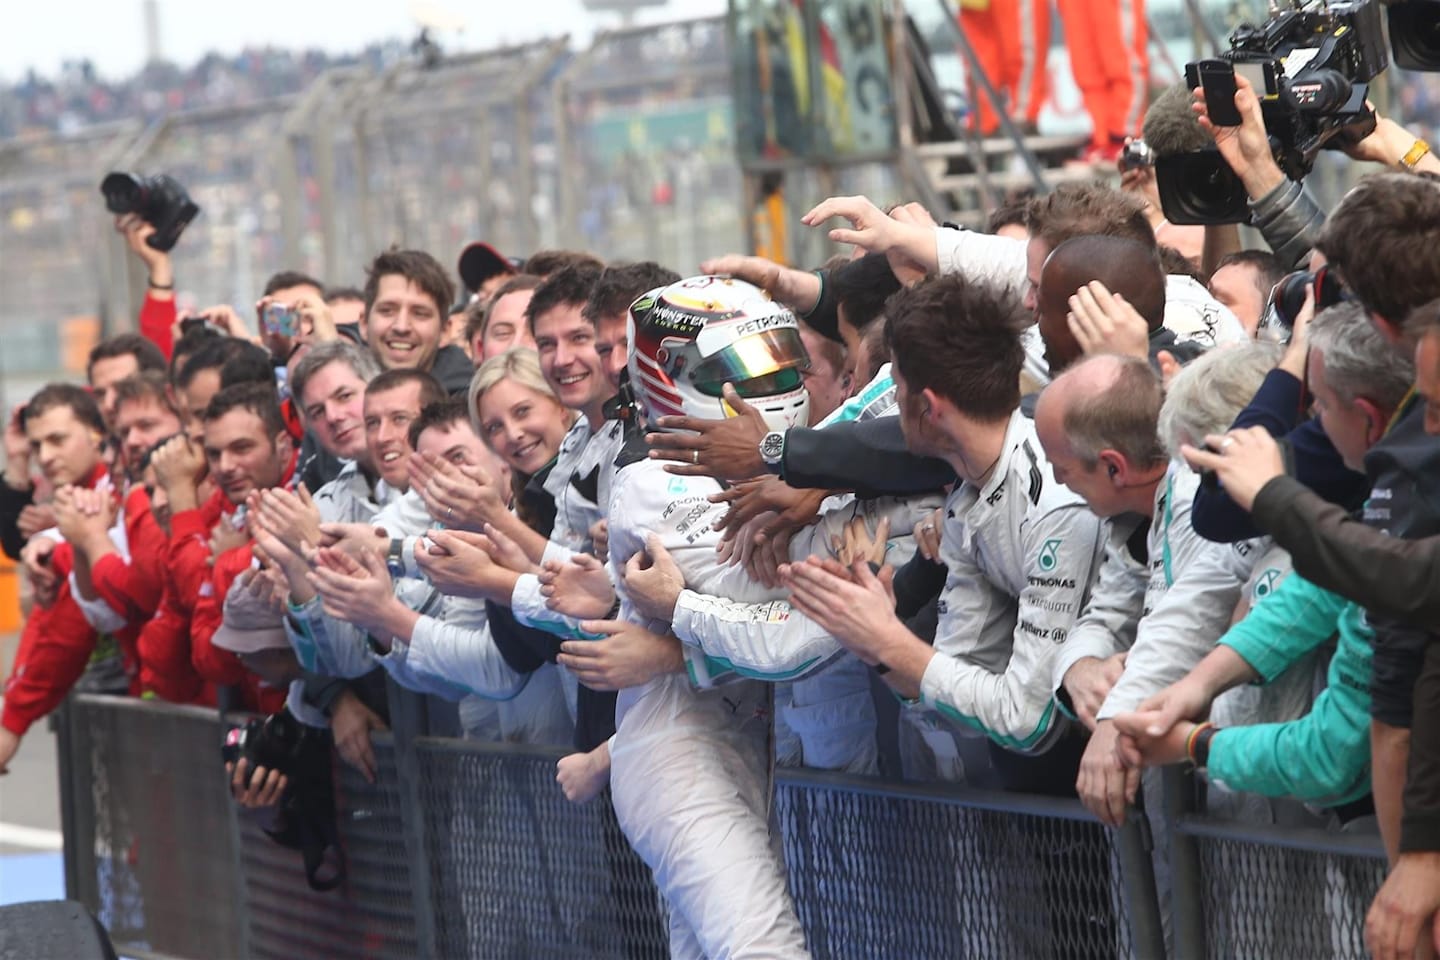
(695, 457)
(449, 513)
(1226, 444)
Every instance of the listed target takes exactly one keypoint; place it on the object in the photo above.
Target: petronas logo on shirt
(1265, 583)
(1048, 558)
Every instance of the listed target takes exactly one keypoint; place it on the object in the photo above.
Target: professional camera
(1287, 299)
(1310, 64)
(276, 742)
(1415, 34)
(160, 201)
(1312, 71)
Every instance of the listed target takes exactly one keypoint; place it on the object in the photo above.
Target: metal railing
(463, 848)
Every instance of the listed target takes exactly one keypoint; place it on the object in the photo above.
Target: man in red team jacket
(65, 432)
(247, 447)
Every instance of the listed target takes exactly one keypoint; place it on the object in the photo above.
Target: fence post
(407, 721)
(1187, 886)
(1134, 844)
(64, 725)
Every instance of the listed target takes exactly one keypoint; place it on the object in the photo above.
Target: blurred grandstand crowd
(79, 97)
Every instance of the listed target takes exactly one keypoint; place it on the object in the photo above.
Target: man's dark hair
(861, 287)
(78, 399)
(286, 279)
(430, 389)
(249, 363)
(419, 268)
(1076, 210)
(962, 340)
(1011, 210)
(877, 352)
(543, 263)
(441, 413)
(145, 385)
(1384, 239)
(336, 294)
(1176, 264)
(1268, 267)
(147, 355)
(571, 286)
(622, 284)
(477, 314)
(256, 398)
(213, 355)
(190, 343)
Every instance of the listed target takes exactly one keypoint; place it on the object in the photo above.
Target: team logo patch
(1048, 558)
(1265, 583)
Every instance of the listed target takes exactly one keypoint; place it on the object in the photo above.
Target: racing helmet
(691, 338)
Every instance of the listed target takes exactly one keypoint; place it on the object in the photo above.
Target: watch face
(772, 447)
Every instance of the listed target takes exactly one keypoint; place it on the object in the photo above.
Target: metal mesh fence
(537, 876)
(231, 162)
(647, 146)
(372, 914)
(877, 875)
(478, 854)
(1276, 902)
(52, 266)
(153, 826)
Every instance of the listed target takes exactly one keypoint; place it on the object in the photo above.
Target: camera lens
(124, 193)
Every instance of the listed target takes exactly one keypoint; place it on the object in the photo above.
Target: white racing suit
(690, 769)
(456, 659)
(1182, 606)
(1021, 553)
(582, 473)
(825, 700)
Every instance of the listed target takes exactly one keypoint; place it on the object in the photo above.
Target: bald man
(1164, 595)
(1124, 267)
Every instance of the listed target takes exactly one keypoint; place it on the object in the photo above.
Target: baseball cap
(237, 640)
(479, 262)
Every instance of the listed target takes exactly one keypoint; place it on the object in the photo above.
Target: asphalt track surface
(31, 867)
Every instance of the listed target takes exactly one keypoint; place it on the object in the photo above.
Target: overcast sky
(111, 33)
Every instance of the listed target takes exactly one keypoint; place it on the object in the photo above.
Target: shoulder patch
(1048, 558)
(634, 450)
(1037, 479)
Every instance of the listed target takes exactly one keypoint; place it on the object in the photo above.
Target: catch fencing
(666, 142)
(469, 849)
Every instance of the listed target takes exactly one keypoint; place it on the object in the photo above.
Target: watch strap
(1415, 154)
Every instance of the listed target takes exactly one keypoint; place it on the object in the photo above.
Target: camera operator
(1283, 211)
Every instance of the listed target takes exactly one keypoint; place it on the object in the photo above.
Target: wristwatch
(772, 450)
(395, 558)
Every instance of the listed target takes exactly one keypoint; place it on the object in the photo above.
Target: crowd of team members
(666, 521)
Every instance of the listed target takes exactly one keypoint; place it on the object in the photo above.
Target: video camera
(160, 201)
(1310, 64)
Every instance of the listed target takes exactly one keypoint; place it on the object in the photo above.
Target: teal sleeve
(1303, 759)
(1321, 758)
(1292, 621)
